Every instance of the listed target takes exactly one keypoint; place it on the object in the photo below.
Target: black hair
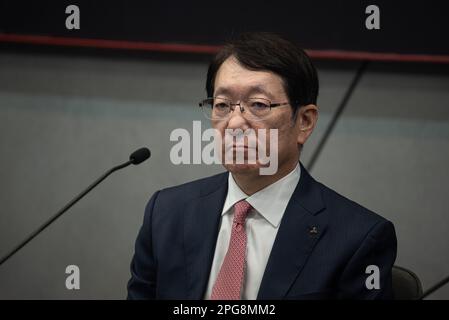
(271, 52)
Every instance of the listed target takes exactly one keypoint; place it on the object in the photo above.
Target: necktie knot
(241, 210)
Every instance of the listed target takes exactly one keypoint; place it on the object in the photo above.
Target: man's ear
(306, 120)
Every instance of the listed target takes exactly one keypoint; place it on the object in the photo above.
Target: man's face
(236, 83)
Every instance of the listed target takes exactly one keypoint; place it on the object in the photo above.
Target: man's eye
(220, 106)
(259, 105)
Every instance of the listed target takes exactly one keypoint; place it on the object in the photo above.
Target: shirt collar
(262, 200)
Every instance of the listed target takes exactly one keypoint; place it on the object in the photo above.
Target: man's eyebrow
(251, 90)
(260, 89)
(223, 91)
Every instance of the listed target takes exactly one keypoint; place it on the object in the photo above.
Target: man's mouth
(239, 146)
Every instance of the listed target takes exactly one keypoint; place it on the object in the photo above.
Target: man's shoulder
(347, 212)
(350, 224)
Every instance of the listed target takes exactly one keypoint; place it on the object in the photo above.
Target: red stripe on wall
(209, 49)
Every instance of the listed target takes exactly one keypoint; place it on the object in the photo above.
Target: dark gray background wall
(65, 119)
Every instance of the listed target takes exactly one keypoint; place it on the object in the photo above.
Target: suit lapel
(300, 229)
(201, 226)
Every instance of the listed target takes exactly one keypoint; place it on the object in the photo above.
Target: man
(245, 235)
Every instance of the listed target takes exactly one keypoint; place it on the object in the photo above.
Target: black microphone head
(139, 155)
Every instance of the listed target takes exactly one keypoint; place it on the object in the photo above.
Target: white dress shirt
(262, 224)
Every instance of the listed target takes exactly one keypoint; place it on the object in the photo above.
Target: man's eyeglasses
(254, 108)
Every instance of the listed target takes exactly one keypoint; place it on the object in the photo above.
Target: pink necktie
(228, 285)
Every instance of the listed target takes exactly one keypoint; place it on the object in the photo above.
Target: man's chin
(243, 168)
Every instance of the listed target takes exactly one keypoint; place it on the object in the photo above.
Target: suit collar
(301, 228)
(308, 193)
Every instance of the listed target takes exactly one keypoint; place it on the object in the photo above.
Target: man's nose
(237, 119)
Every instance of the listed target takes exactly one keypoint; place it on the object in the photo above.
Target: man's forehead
(247, 89)
(232, 78)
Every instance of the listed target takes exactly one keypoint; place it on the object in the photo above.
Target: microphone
(139, 156)
(135, 158)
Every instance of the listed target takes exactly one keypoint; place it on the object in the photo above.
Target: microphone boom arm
(136, 157)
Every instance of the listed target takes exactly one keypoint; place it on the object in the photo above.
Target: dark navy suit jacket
(323, 246)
